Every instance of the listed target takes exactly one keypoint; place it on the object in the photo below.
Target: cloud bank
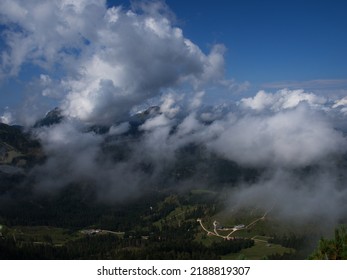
(101, 63)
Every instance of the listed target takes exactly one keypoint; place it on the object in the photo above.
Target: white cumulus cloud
(282, 99)
(110, 59)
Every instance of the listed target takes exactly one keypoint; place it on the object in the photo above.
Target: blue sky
(270, 44)
(272, 41)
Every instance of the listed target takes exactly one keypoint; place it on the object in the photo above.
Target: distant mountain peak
(149, 112)
(54, 116)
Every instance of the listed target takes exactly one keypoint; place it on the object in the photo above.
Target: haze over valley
(126, 132)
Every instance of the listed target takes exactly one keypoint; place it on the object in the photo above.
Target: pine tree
(334, 249)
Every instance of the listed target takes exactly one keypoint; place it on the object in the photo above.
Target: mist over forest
(121, 104)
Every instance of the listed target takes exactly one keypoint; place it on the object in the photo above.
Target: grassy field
(43, 234)
(178, 215)
(11, 155)
(259, 251)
